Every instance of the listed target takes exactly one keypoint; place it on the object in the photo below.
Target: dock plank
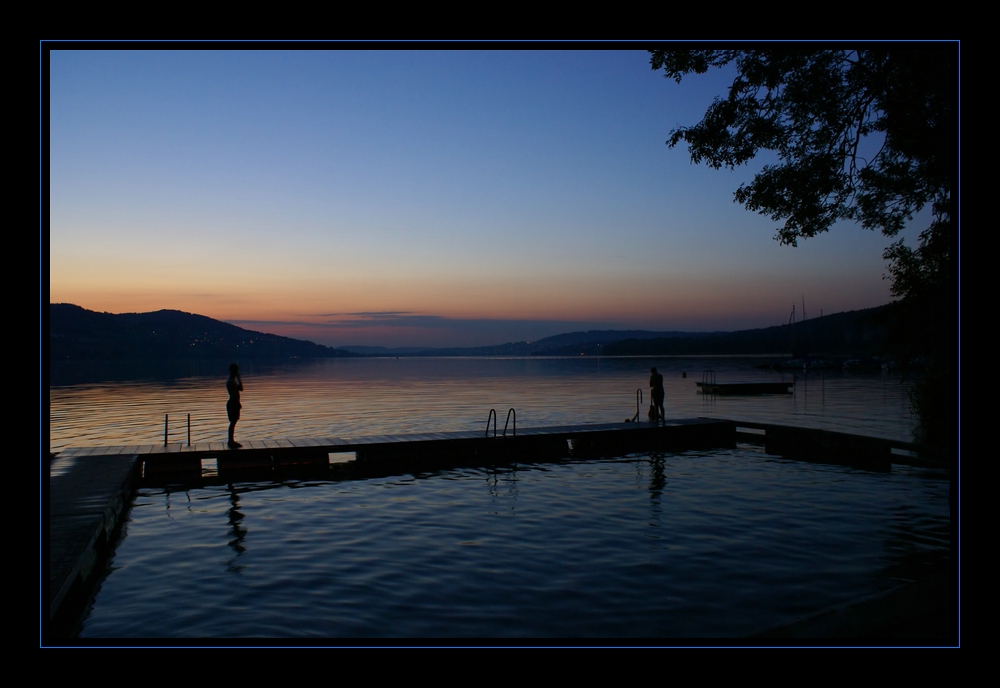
(86, 500)
(396, 443)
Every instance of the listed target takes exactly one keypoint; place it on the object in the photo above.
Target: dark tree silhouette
(867, 135)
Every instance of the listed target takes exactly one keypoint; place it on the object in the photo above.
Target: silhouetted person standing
(234, 385)
(656, 393)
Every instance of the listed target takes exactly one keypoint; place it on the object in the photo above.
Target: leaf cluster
(861, 135)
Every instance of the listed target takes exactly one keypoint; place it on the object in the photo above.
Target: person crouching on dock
(656, 394)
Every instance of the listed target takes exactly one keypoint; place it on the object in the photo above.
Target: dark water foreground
(711, 544)
(717, 544)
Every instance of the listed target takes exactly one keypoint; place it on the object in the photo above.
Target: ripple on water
(715, 544)
(394, 396)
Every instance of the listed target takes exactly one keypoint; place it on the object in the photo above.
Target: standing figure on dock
(234, 385)
(656, 395)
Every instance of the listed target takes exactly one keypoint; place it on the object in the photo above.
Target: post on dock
(165, 427)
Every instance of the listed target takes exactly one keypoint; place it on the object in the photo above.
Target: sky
(417, 198)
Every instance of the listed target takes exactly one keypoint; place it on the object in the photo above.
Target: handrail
(166, 429)
(514, 433)
(638, 401)
(493, 415)
(708, 377)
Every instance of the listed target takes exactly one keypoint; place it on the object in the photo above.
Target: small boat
(708, 385)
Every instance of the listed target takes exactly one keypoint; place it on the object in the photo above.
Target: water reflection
(239, 533)
(503, 489)
(733, 542)
(666, 545)
(658, 478)
(342, 398)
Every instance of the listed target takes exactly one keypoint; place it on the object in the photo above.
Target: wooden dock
(543, 442)
(86, 500)
(90, 488)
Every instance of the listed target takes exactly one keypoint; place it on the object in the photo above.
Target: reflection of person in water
(234, 385)
(656, 393)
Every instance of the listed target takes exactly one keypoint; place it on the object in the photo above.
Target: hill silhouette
(556, 345)
(78, 334)
(852, 333)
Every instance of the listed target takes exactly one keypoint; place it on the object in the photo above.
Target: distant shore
(76, 334)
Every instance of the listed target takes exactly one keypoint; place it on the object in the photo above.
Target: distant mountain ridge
(541, 347)
(78, 334)
(851, 333)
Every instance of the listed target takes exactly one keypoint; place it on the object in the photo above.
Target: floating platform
(90, 488)
(86, 501)
(745, 387)
(423, 448)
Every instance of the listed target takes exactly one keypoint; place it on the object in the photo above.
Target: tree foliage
(821, 111)
(866, 135)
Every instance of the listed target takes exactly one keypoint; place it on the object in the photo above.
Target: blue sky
(416, 197)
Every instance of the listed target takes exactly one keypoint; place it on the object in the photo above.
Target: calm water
(697, 544)
(344, 398)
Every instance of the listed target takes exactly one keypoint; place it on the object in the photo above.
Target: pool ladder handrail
(493, 415)
(514, 428)
(166, 429)
(638, 402)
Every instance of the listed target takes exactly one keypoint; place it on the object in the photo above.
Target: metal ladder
(493, 415)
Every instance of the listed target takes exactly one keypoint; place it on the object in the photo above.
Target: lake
(374, 396)
(710, 544)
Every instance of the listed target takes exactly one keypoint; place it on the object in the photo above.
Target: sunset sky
(416, 198)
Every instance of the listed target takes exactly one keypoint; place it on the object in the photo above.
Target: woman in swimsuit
(234, 385)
